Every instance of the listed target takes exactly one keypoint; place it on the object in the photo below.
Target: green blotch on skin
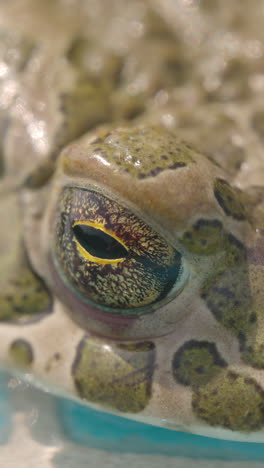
(205, 237)
(253, 354)
(227, 291)
(230, 199)
(230, 401)
(228, 298)
(21, 353)
(196, 362)
(144, 152)
(117, 376)
(25, 297)
(234, 252)
(252, 345)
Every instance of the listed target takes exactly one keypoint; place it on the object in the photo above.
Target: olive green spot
(25, 297)
(208, 237)
(227, 291)
(252, 354)
(228, 298)
(196, 362)
(234, 252)
(21, 353)
(144, 152)
(231, 401)
(230, 199)
(252, 344)
(117, 376)
(205, 237)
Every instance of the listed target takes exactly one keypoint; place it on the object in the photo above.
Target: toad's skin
(132, 268)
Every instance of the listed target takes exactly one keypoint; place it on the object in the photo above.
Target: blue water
(101, 430)
(85, 426)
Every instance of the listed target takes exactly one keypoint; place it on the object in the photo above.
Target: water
(38, 429)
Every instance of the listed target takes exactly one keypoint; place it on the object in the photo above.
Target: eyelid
(92, 258)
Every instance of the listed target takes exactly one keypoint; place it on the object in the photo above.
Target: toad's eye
(110, 258)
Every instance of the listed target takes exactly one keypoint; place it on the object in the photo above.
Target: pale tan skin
(171, 202)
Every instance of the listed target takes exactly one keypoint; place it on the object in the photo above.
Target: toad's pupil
(99, 244)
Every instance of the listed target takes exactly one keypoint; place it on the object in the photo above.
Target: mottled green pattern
(115, 375)
(252, 345)
(219, 397)
(205, 237)
(230, 199)
(25, 297)
(232, 401)
(196, 362)
(227, 291)
(145, 153)
(21, 353)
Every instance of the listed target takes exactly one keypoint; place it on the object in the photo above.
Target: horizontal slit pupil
(99, 244)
